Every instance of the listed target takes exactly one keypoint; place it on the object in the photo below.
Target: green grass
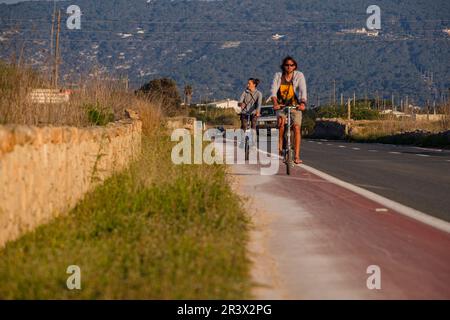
(156, 231)
(215, 116)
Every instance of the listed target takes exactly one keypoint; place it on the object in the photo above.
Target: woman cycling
(289, 89)
(250, 102)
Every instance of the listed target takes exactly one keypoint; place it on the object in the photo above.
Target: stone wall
(330, 129)
(180, 123)
(45, 171)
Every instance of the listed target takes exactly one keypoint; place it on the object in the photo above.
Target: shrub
(99, 115)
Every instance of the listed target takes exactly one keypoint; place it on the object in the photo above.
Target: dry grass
(375, 129)
(95, 103)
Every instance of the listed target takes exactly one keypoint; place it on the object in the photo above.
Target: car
(267, 119)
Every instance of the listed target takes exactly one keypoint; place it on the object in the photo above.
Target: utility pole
(56, 66)
(342, 99)
(392, 103)
(354, 99)
(377, 102)
(366, 101)
(334, 92)
(349, 110)
(52, 37)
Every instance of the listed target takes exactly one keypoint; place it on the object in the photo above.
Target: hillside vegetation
(216, 45)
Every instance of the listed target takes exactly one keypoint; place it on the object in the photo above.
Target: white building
(369, 33)
(226, 104)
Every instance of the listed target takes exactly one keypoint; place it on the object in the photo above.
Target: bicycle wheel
(247, 149)
(288, 163)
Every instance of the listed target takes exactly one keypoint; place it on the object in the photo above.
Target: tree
(188, 95)
(165, 92)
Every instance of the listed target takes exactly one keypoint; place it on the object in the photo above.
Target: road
(313, 239)
(416, 177)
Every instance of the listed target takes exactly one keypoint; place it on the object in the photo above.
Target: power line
(126, 40)
(215, 22)
(200, 31)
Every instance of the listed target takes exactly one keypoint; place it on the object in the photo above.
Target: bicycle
(248, 135)
(288, 149)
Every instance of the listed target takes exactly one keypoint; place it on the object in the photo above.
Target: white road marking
(373, 150)
(319, 142)
(428, 149)
(381, 210)
(356, 148)
(422, 155)
(385, 202)
(394, 152)
(342, 147)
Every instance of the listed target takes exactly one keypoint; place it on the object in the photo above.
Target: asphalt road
(416, 177)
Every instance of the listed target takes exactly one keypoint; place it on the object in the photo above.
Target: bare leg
(298, 139)
(281, 136)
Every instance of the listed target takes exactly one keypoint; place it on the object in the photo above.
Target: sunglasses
(289, 65)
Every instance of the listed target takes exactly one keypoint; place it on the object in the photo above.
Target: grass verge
(156, 231)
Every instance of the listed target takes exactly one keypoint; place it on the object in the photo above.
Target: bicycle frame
(288, 147)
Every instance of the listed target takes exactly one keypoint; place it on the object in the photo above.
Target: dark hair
(285, 60)
(255, 81)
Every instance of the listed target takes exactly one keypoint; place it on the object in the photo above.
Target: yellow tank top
(286, 93)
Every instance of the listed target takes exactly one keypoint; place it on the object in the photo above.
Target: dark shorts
(244, 121)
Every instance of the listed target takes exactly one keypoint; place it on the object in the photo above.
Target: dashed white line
(422, 155)
(394, 152)
(342, 147)
(356, 148)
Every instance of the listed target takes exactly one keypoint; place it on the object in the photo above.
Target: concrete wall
(45, 171)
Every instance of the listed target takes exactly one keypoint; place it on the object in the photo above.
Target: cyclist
(289, 89)
(250, 102)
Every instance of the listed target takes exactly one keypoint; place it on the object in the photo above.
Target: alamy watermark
(74, 280)
(217, 147)
(374, 280)
(374, 21)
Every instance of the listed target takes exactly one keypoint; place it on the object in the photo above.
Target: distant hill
(216, 45)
